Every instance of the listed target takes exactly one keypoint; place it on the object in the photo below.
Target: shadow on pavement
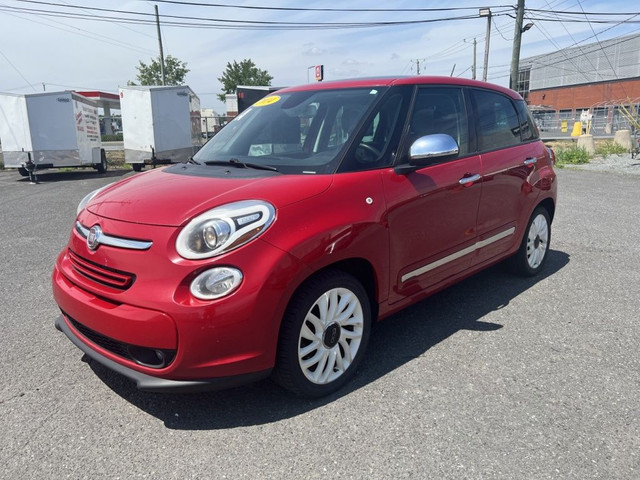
(53, 176)
(394, 342)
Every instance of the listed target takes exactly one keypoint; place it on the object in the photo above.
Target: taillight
(552, 156)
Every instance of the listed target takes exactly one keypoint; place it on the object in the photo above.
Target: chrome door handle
(469, 179)
(530, 161)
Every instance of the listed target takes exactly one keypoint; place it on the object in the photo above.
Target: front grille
(100, 274)
(139, 355)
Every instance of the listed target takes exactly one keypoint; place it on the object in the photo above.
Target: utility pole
(417, 65)
(517, 41)
(164, 80)
(486, 12)
(475, 46)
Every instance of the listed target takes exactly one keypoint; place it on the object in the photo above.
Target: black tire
(23, 171)
(337, 341)
(102, 166)
(137, 167)
(534, 248)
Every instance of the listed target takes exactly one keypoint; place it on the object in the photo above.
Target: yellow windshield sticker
(267, 101)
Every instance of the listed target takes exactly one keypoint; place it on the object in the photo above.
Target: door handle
(530, 161)
(469, 179)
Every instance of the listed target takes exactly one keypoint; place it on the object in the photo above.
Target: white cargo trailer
(159, 124)
(50, 130)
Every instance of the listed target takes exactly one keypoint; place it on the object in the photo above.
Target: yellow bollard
(577, 129)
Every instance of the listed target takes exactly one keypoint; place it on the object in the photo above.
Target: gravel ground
(623, 164)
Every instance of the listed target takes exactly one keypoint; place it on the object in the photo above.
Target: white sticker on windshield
(373, 92)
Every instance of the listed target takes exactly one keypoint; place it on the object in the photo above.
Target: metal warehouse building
(602, 77)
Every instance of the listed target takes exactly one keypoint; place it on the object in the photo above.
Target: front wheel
(324, 334)
(532, 254)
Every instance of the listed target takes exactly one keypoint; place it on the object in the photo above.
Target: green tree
(174, 72)
(243, 73)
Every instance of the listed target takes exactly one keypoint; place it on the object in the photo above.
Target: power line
(16, 69)
(86, 34)
(310, 9)
(142, 18)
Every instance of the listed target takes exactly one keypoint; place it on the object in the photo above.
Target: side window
(497, 120)
(440, 110)
(375, 143)
(528, 129)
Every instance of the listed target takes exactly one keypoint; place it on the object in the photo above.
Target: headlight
(224, 228)
(87, 198)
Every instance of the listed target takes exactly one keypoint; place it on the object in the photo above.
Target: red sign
(319, 72)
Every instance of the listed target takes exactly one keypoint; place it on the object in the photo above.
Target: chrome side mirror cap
(432, 147)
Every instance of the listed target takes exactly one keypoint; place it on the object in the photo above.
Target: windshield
(298, 132)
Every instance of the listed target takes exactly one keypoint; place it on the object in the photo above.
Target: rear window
(498, 125)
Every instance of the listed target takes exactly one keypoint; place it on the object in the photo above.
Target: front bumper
(119, 305)
(149, 383)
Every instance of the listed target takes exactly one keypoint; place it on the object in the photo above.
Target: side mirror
(431, 148)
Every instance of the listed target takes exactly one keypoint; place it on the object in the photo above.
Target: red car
(317, 211)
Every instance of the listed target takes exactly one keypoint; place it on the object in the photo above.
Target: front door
(432, 211)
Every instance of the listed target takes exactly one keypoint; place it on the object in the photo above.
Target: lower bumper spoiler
(148, 383)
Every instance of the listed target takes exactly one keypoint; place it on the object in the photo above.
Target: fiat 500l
(315, 212)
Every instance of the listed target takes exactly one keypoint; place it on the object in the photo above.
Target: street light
(486, 12)
(527, 27)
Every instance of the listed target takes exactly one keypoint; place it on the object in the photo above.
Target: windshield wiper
(234, 162)
(192, 160)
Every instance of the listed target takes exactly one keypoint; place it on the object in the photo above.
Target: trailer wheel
(137, 167)
(23, 171)
(102, 166)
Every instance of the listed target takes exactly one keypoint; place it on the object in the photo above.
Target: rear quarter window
(528, 129)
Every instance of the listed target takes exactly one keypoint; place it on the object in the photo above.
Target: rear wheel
(137, 167)
(23, 171)
(324, 334)
(102, 166)
(532, 254)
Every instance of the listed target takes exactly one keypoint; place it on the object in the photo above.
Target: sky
(39, 51)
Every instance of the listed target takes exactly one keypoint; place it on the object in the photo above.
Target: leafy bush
(112, 138)
(572, 156)
(610, 148)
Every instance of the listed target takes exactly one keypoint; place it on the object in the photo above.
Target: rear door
(509, 150)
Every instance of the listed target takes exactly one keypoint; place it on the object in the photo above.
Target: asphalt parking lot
(496, 377)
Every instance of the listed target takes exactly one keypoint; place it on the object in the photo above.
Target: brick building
(603, 77)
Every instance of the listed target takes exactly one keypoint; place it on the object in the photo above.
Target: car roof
(393, 81)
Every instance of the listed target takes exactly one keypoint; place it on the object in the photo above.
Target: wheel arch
(549, 205)
(361, 269)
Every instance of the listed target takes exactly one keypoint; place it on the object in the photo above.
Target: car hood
(166, 198)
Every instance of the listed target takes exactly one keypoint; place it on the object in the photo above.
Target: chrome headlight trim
(234, 225)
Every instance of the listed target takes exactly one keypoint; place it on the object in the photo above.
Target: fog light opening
(148, 357)
(216, 283)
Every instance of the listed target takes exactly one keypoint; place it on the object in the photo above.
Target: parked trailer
(50, 130)
(159, 124)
